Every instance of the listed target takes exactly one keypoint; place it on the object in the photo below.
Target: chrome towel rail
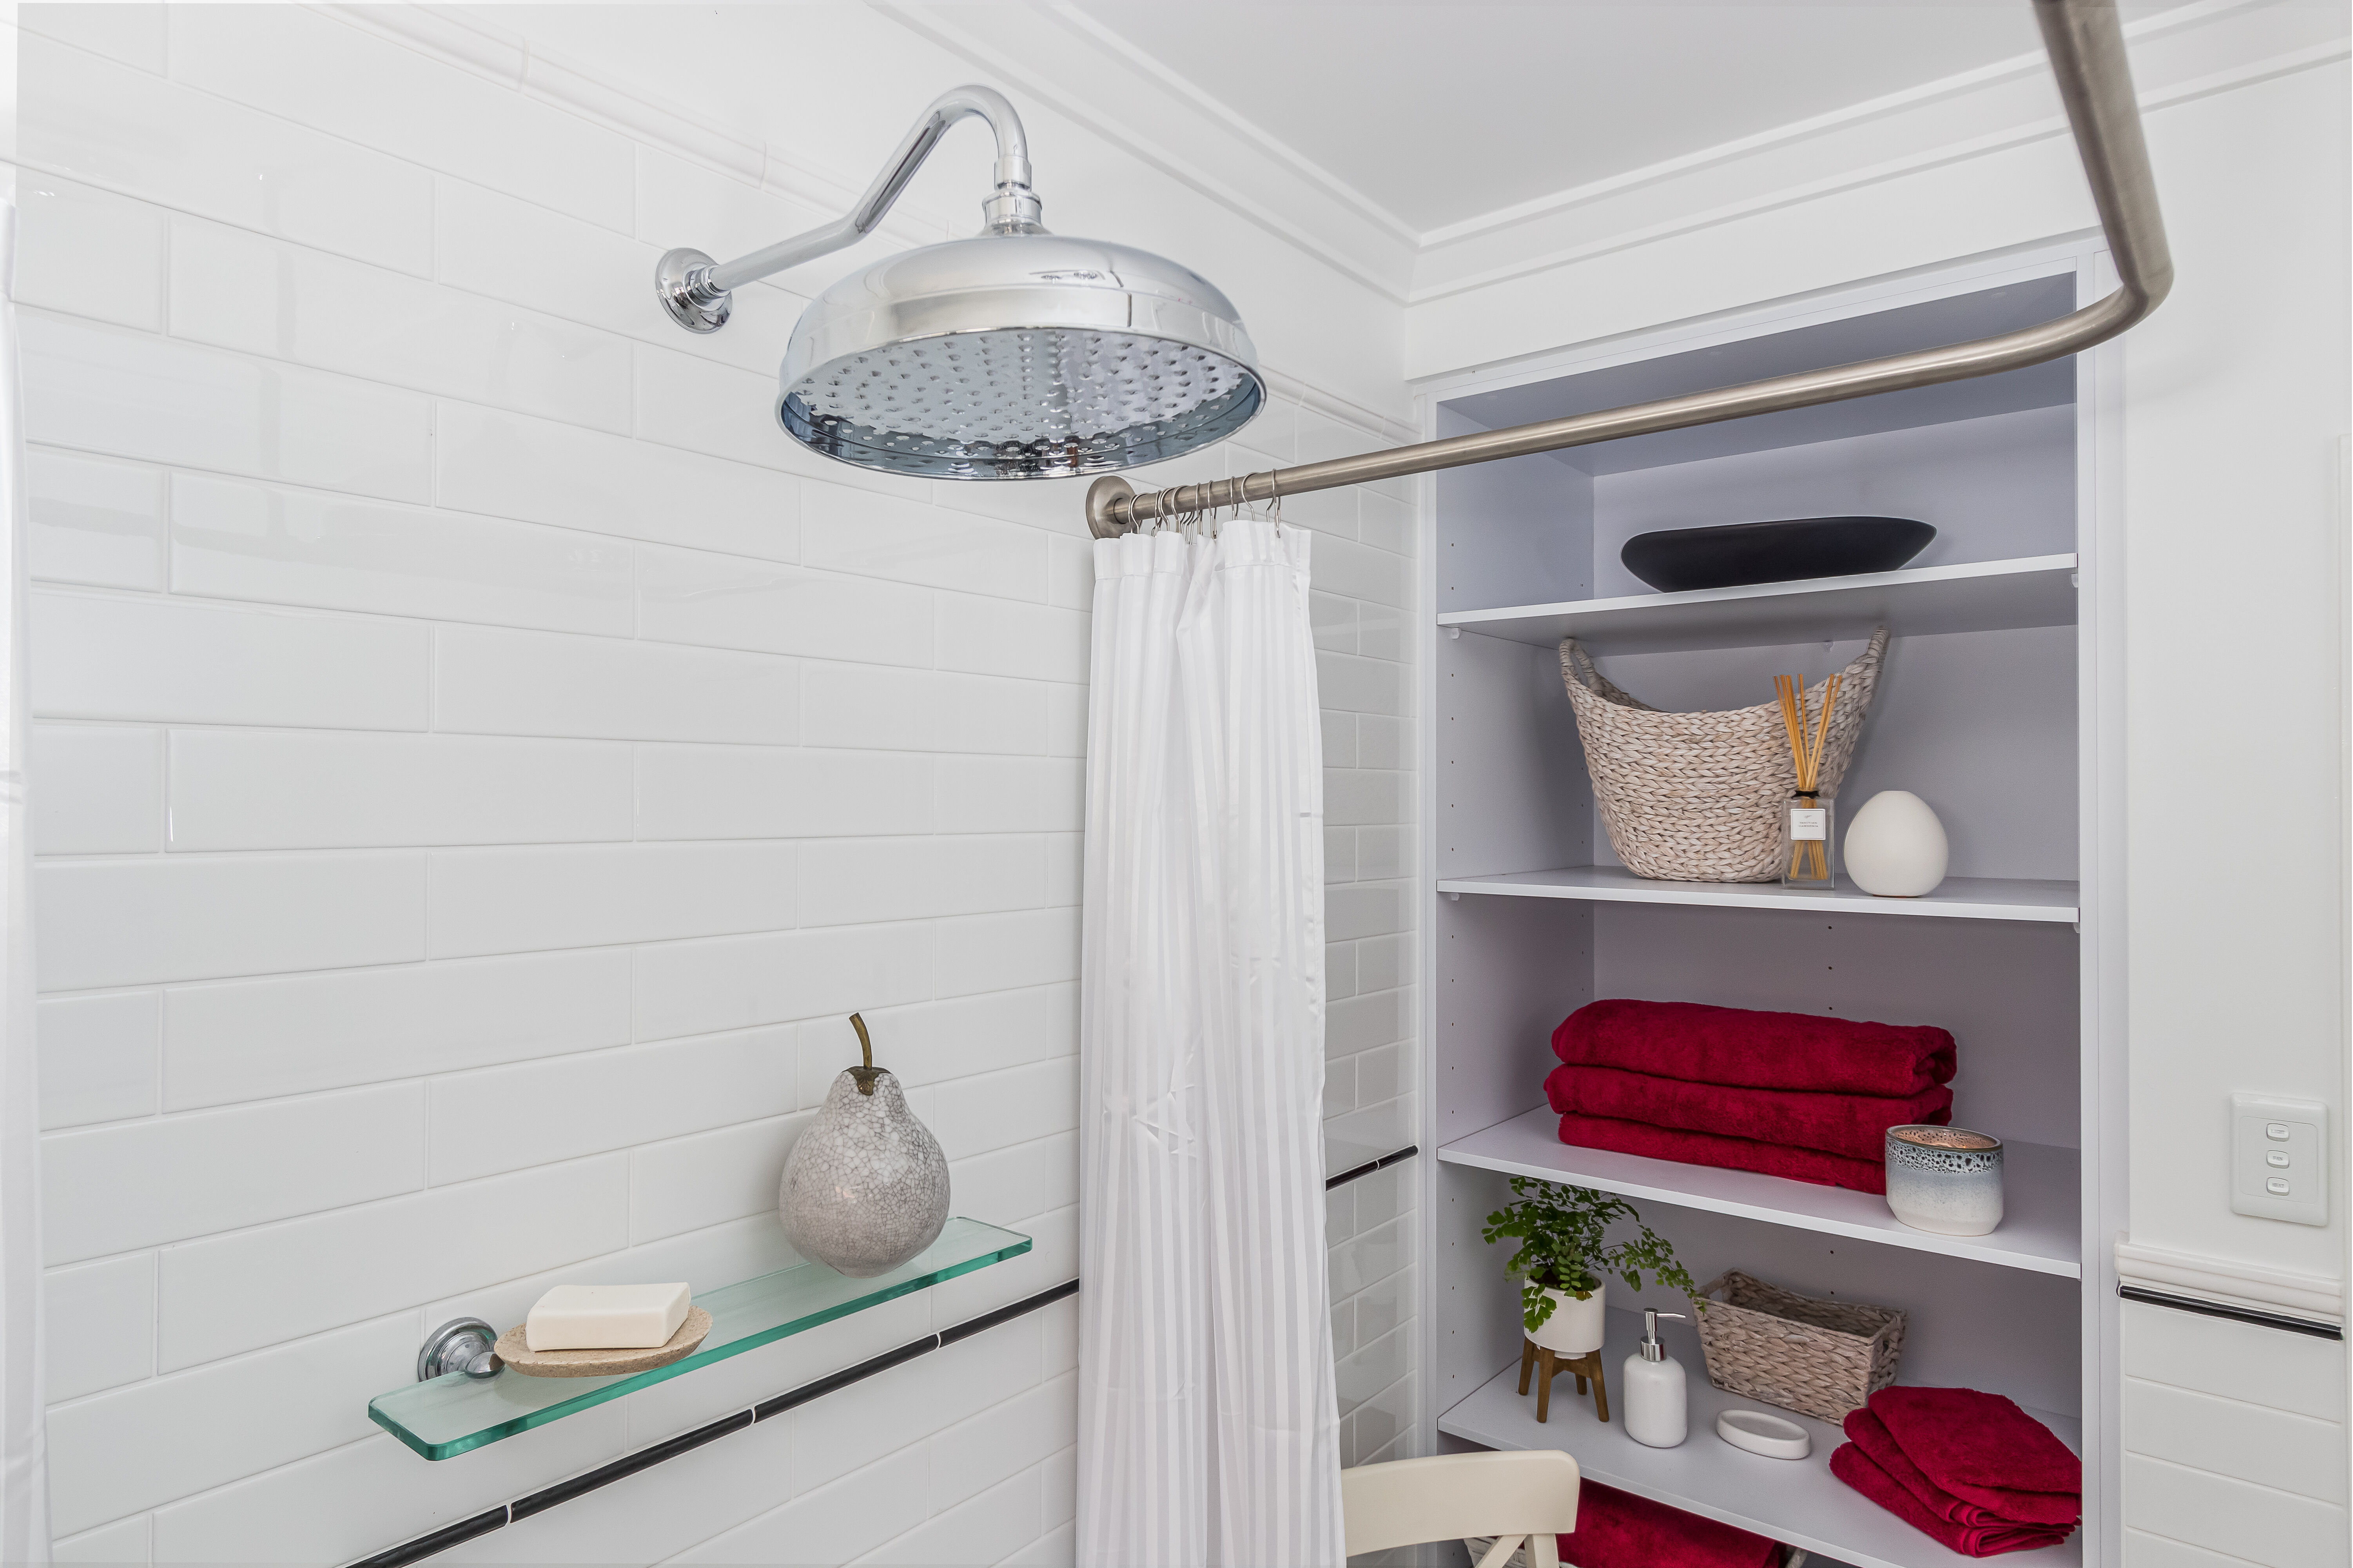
(2086, 43)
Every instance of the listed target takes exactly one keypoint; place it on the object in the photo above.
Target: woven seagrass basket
(1821, 1358)
(1698, 797)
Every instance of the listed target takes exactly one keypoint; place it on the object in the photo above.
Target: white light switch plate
(2279, 1159)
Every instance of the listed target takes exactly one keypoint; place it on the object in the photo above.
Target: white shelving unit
(1974, 595)
(2040, 1228)
(1990, 706)
(1959, 897)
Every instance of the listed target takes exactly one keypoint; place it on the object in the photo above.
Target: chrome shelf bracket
(460, 1345)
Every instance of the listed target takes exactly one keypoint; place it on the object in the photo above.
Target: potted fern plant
(1565, 1256)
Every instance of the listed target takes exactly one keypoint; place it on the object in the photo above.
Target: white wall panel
(94, 521)
(361, 1261)
(187, 150)
(290, 789)
(249, 1040)
(99, 389)
(99, 1057)
(509, 465)
(727, 602)
(95, 254)
(100, 1325)
(366, 90)
(155, 659)
(500, 683)
(243, 541)
(138, 1183)
(135, 922)
(105, 793)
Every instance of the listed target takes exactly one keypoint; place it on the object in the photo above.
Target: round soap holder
(1761, 1433)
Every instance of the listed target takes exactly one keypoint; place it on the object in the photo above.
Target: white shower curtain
(1208, 1429)
(24, 1463)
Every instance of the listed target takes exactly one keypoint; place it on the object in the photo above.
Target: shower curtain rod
(2086, 43)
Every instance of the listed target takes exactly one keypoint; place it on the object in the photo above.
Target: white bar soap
(606, 1317)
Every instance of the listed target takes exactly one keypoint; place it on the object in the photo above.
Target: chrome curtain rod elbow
(697, 292)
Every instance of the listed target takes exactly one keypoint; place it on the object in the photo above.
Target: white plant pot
(1896, 847)
(1574, 1327)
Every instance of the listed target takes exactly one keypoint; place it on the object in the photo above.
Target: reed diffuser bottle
(1809, 818)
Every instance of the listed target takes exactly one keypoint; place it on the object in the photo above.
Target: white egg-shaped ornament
(1896, 847)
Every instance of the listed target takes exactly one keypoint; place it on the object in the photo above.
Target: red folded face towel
(1619, 1530)
(1852, 1465)
(2063, 1509)
(1852, 1125)
(1705, 1045)
(1979, 1446)
(1726, 1153)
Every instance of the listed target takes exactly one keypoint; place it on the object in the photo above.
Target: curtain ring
(1274, 500)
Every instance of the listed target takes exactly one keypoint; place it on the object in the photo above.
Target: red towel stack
(1970, 1468)
(1783, 1093)
(1619, 1530)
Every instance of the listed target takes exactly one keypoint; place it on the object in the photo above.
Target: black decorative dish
(1734, 555)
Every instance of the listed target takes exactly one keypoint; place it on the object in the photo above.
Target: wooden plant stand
(1550, 1366)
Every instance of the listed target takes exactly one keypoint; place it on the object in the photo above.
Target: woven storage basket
(1821, 1358)
(1698, 797)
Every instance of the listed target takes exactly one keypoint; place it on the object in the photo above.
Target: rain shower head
(1014, 354)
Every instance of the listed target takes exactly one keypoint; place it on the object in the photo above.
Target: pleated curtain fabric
(24, 1463)
(1208, 1429)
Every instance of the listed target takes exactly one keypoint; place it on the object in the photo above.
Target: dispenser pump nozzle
(1652, 1350)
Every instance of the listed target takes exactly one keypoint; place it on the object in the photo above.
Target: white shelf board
(1794, 1501)
(1974, 595)
(1957, 899)
(2040, 1228)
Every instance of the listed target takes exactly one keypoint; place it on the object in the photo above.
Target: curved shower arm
(696, 291)
(2087, 46)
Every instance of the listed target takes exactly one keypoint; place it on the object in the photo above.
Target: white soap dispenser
(1656, 1411)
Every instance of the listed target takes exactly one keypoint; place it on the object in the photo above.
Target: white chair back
(1514, 1496)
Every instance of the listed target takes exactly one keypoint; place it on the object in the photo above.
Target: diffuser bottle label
(1809, 822)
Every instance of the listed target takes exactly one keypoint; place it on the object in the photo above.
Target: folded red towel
(1871, 1435)
(1619, 1530)
(1728, 1153)
(1852, 1125)
(1855, 1467)
(1705, 1045)
(1979, 1446)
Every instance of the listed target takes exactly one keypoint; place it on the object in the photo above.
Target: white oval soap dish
(1762, 1434)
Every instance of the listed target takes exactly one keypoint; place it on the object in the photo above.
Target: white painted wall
(482, 760)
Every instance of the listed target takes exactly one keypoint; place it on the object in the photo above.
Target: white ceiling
(1441, 112)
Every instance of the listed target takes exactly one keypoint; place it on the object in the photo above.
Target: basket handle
(1579, 665)
(1577, 669)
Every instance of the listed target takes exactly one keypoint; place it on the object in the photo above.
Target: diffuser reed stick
(1809, 857)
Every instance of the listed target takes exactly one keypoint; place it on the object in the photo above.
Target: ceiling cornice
(1062, 55)
(1089, 75)
(2032, 64)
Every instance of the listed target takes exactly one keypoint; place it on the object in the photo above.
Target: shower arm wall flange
(697, 292)
(2087, 46)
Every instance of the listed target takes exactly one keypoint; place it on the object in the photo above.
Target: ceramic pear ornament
(866, 1188)
(1896, 847)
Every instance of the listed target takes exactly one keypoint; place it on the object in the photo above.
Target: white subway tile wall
(480, 762)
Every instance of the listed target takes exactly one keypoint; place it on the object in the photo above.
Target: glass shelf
(453, 1413)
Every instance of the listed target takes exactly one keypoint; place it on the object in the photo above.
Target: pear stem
(865, 1075)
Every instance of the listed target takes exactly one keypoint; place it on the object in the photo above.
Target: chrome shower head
(1014, 354)
(1018, 356)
